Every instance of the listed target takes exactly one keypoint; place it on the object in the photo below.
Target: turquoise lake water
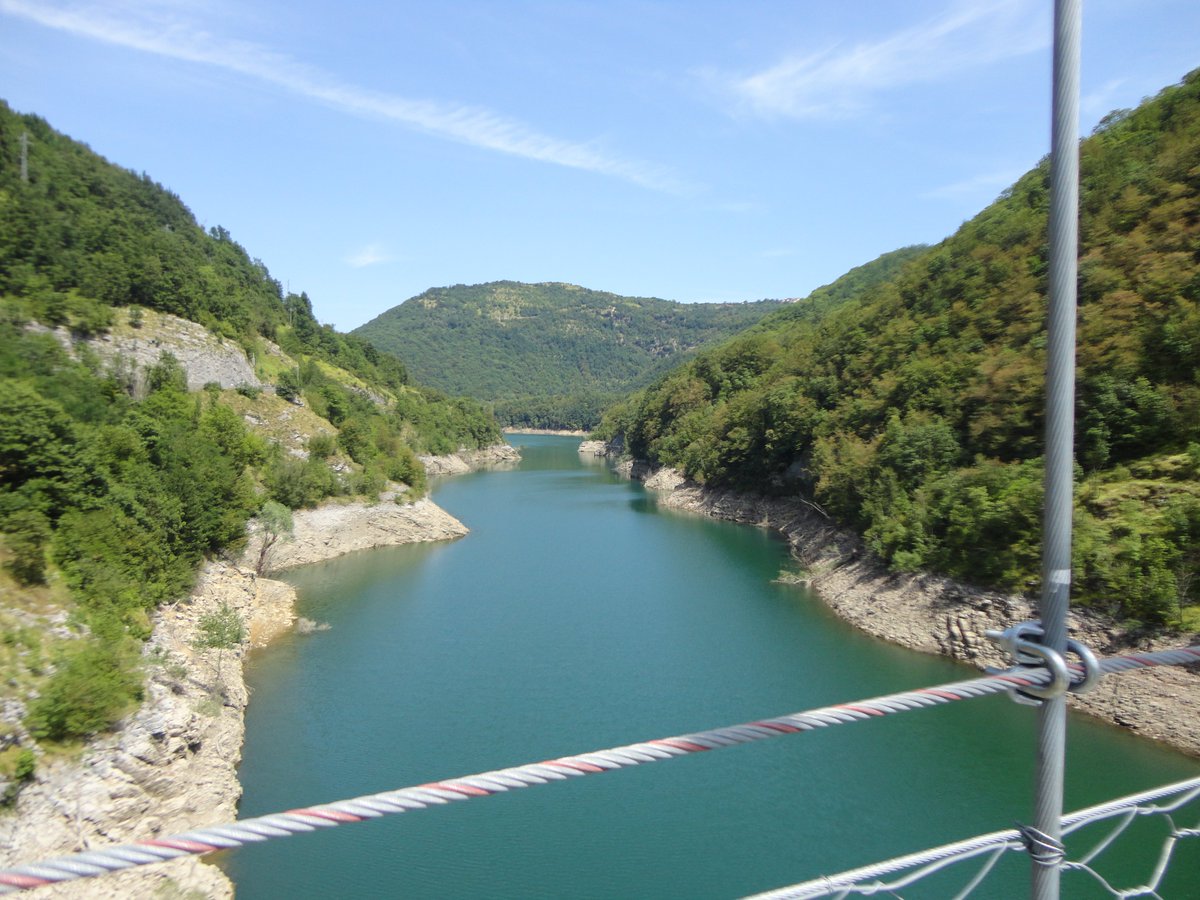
(576, 616)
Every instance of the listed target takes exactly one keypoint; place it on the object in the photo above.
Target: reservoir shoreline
(934, 614)
(171, 765)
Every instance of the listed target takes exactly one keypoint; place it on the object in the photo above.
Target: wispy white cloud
(841, 81)
(370, 255)
(990, 183)
(168, 29)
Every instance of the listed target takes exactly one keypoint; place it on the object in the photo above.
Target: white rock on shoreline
(937, 615)
(593, 448)
(172, 765)
(336, 529)
(495, 457)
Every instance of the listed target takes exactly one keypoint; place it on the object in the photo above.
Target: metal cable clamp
(1023, 643)
(1042, 849)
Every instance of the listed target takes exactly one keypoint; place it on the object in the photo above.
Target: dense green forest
(548, 355)
(913, 412)
(115, 485)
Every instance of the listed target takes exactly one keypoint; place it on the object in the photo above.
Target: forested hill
(845, 289)
(548, 355)
(914, 412)
(85, 244)
(116, 480)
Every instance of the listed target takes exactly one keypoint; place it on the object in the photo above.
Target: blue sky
(686, 150)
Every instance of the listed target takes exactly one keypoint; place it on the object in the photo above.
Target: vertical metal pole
(1060, 425)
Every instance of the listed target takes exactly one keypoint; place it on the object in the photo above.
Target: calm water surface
(578, 616)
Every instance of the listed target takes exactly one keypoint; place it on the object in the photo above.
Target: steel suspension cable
(247, 831)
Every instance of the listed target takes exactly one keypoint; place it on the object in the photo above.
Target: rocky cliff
(205, 357)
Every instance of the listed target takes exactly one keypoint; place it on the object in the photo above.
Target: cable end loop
(1023, 644)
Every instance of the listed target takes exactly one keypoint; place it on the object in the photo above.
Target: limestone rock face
(665, 479)
(594, 448)
(205, 357)
(444, 465)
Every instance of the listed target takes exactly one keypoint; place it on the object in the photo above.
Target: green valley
(904, 399)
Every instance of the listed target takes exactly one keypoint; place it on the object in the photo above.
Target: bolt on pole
(1060, 426)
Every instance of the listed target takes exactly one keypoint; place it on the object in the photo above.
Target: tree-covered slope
(548, 354)
(914, 411)
(848, 287)
(80, 237)
(116, 481)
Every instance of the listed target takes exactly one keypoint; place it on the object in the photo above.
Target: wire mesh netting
(1135, 846)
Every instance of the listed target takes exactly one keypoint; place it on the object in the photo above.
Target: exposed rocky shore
(498, 456)
(937, 615)
(172, 765)
(335, 529)
(593, 448)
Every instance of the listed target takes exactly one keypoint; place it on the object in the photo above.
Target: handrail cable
(866, 879)
(223, 837)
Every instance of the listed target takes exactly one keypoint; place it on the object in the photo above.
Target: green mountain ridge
(912, 412)
(550, 354)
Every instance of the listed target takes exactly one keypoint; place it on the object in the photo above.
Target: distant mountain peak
(509, 342)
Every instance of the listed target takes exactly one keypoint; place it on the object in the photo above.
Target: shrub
(166, 375)
(288, 387)
(275, 524)
(298, 483)
(220, 630)
(28, 533)
(405, 468)
(88, 693)
(321, 446)
(17, 765)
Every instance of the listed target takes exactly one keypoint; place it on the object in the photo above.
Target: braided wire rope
(247, 831)
(866, 880)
